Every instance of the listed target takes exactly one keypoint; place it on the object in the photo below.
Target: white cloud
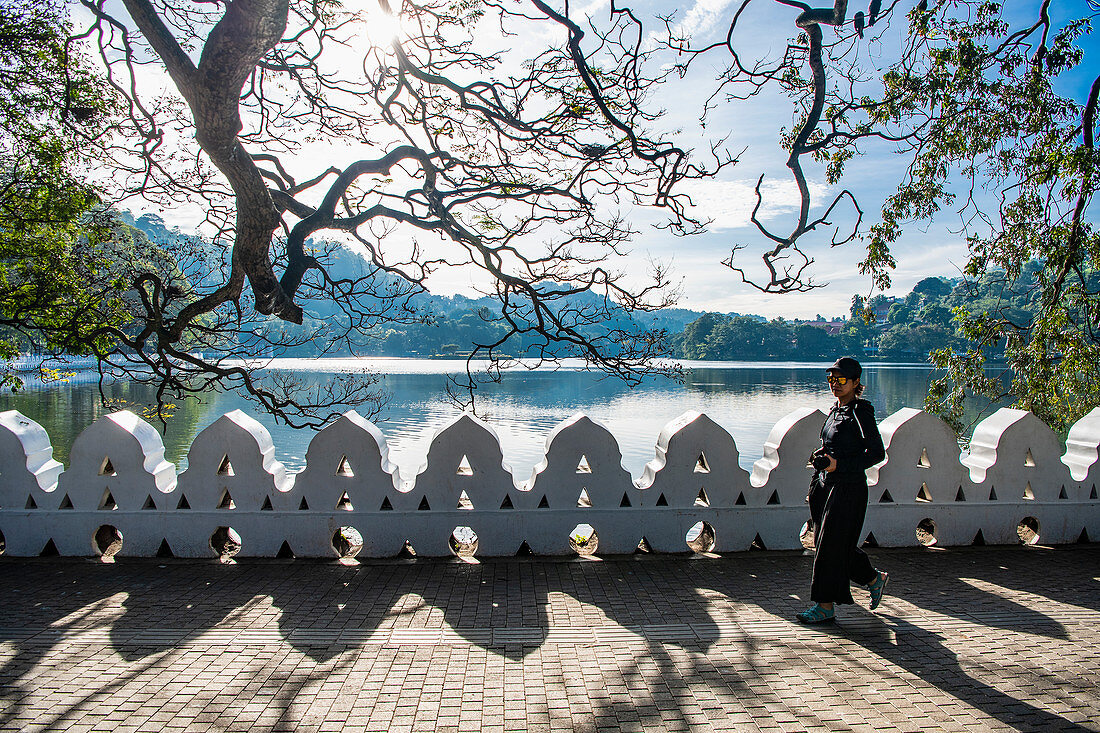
(730, 203)
(702, 15)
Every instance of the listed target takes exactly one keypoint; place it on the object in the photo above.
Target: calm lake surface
(746, 398)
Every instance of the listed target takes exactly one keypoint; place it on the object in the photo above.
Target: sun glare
(381, 21)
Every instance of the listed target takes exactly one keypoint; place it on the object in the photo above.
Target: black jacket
(850, 435)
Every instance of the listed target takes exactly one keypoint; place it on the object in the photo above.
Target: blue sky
(925, 249)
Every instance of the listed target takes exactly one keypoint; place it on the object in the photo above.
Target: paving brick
(992, 638)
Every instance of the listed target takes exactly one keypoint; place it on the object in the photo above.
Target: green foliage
(57, 284)
(983, 101)
(714, 336)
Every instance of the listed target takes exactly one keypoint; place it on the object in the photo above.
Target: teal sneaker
(878, 589)
(815, 614)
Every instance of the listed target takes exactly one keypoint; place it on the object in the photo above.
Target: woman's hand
(832, 464)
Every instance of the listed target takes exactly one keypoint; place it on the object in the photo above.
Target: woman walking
(850, 444)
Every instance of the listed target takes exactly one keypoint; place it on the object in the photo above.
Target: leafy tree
(858, 310)
(56, 283)
(811, 342)
(973, 96)
(932, 287)
(936, 314)
(900, 314)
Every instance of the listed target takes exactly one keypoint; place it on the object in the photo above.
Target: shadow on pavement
(990, 586)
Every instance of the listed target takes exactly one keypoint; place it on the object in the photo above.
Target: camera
(819, 460)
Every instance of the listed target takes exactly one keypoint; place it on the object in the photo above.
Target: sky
(752, 128)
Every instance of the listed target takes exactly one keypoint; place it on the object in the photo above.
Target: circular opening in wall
(806, 536)
(347, 542)
(701, 537)
(926, 532)
(464, 542)
(107, 541)
(225, 542)
(584, 540)
(1028, 530)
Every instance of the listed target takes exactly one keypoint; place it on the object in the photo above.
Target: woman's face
(845, 392)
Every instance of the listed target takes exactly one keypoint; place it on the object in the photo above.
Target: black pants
(837, 507)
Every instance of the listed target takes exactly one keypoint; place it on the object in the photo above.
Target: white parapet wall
(119, 496)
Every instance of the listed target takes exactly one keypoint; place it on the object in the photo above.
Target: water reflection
(745, 398)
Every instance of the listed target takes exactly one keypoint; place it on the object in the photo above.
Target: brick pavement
(968, 639)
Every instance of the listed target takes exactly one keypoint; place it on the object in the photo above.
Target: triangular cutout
(870, 541)
(993, 493)
(702, 499)
(1029, 495)
(407, 550)
(701, 465)
(584, 500)
(344, 503)
(149, 503)
(643, 546)
(66, 503)
(923, 461)
(303, 506)
(285, 553)
(774, 498)
(507, 503)
(32, 504)
(424, 506)
(625, 501)
(344, 469)
(1084, 537)
(979, 539)
(740, 499)
(225, 468)
(386, 505)
(183, 503)
(1062, 494)
(464, 467)
(226, 502)
(543, 503)
(50, 550)
(1092, 495)
(106, 468)
(165, 550)
(758, 543)
(1029, 460)
(267, 507)
(582, 465)
(959, 495)
(524, 550)
(886, 498)
(108, 501)
(662, 501)
(923, 494)
(464, 501)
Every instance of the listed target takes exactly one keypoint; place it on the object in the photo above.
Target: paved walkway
(970, 639)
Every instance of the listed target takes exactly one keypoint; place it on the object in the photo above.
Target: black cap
(847, 366)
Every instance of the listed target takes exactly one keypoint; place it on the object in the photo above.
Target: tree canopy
(53, 284)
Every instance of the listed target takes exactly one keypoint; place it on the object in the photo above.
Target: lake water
(745, 398)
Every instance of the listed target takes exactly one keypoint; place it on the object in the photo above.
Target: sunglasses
(839, 381)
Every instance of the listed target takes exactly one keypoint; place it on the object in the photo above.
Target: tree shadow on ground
(50, 601)
(987, 586)
(661, 680)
